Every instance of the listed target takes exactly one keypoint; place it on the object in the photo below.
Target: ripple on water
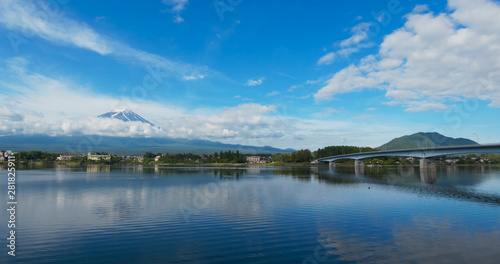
(273, 216)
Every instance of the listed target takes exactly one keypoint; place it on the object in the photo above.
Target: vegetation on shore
(301, 157)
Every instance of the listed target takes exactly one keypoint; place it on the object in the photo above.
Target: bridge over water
(425, 154)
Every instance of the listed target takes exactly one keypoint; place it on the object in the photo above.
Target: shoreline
(222, 165)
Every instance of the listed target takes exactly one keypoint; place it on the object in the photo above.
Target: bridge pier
(427, 164)
(332, 164)
(359, 163)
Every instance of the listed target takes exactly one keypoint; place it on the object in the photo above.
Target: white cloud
(312, 82)
(38, 104)
(333, 110)
(349, 46)
(59, 107)
(273, 93)
(371, 109)
(293, 87)
(10, 115)
(308, 82)
(347, 80)
(178, 19)
(252, 82)
(327, 59)
(359, 34)
(420, 9)
(176, 6)
(193, 77)
(25, 16)
(432, 59)
(425, 106)
(365, 116)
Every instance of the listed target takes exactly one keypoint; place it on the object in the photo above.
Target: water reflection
(359, 170)
(455, 182)
(428, 175)
(98, 168)
(239, 215)
(423, 239)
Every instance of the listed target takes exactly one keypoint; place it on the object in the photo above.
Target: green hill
(423, 140)
(82, 144)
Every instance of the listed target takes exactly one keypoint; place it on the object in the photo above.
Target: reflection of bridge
(425, 155)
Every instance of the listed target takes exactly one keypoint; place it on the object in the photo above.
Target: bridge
(425, 154)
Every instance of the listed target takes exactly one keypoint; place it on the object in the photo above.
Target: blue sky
(299, 74)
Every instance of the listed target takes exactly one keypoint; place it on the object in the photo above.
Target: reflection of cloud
(490, 185)
(119, 210)
(262, 209)
(422, 239)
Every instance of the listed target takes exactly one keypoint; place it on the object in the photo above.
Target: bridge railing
(414, 149)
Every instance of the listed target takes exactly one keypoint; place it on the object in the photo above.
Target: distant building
(5, 155)
(98, 157)
(66, 156)
(255, 160)
(133, 158)
(451, 161)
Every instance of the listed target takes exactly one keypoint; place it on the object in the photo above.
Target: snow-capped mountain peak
(125, 115)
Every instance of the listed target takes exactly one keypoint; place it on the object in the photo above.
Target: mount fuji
(81, 144)
(125, 115)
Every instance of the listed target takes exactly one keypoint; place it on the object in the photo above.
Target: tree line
(340, 150)
(221, 157)
(305, 155)
(36, 155)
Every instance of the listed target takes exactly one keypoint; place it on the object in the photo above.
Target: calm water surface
(255, 215)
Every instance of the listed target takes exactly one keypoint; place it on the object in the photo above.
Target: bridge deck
(418, 153)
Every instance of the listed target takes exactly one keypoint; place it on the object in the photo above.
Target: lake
(102, 214)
